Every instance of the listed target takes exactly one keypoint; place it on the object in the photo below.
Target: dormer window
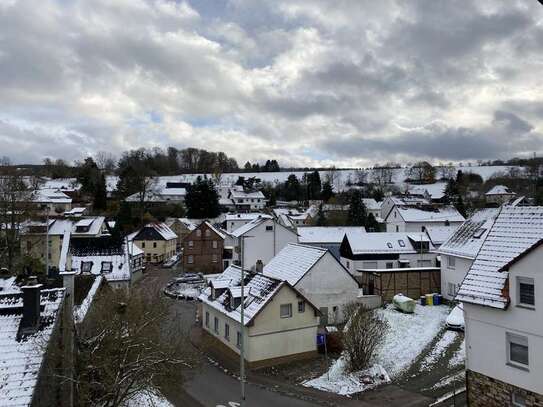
(107, 267)
(389, 245)
(401, 243)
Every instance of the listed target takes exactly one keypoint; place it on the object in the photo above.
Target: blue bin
(321, 338)
(422, 300)
(437, 299)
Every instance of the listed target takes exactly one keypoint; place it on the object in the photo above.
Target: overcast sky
(306, 82)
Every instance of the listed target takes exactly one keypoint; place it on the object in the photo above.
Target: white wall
(354, 265)
(329, 285)
(453, 274)
(486, 331)
(265, 244)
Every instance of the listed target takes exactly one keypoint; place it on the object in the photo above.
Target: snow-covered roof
(439, 234)
(94, 224)
(163, 230)
(325, 234)
(248, 227)
(259, 290)
(435, 190)
(21, 358)
(8, 286)
(500, 190)
(469, 237)
(60, 227)
(293, 262)
(246, 216)
(241, 194)
(440, 214)
(75, 211)
(214, 229)
(80, 311)
(185, 221)
(51, 195)
(371, 204)
(515, 230)
(381, 242)
(120, 268)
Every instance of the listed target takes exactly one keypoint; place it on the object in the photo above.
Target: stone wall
(486, 391)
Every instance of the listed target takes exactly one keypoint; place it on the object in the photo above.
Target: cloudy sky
(308, 82)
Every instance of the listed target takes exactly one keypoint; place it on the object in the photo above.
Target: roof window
(389, 245)
(401, 243)
(479, 232)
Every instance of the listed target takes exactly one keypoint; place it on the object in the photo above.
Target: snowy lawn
(145, 398)
(406, 338)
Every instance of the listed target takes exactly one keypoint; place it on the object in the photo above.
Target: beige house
(157, 240)
(280, 324)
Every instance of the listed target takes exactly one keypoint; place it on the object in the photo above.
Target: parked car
(455, 320)
(172, 261)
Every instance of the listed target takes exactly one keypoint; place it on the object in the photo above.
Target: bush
(363, 334)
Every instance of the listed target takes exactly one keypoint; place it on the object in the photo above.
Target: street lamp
(242, 320)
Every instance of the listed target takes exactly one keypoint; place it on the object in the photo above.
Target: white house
(361, 250)
(262, 239)
(391, 201)
(503, 311)
(236, 220)
(247, 201)
(280, 323)
(499, 194)
(160, 194)
(318, 275)
(291, 217)
(409, 219)
(327, 237)
(433, 192)
(459, 251)
(373, 207)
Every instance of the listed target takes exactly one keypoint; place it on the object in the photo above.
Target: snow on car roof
(515, 230)
(293, 262)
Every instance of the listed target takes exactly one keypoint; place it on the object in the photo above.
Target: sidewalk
(388, 395)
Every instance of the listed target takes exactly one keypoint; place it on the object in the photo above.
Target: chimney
(68, 282)
(259, 268)
(31, 306)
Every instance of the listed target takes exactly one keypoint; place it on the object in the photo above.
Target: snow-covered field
(407, 337)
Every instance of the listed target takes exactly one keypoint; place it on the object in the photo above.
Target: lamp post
(242, 320)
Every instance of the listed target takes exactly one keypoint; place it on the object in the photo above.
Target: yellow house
(157, 241)
(280, 324)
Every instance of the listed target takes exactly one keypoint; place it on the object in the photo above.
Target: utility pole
(47, 243)
(242, 320)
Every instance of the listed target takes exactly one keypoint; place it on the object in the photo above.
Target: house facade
(233, 221)
(409, 219)
(157, 240)
(503, 310)
(203, 250)
(181, 227)
(247, 201)
(327, 237)
(280, 324)
(459, 251)
(262, 239)
(319, 276)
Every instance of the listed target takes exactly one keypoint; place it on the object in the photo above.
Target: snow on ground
(459, 357)
(441, 346)
(406, 338)
(450, 379)
(148, 399)
(408, 335)
(338, 380)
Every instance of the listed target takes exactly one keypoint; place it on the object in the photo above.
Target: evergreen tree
(100, 194)
(123, 220)
(247, 167)
(460, 207)
(327, 191)
(293, 189)
(314, 186)
(378, 194)
(321, 218)
(371, 224)
(356, 216)
(202, 200)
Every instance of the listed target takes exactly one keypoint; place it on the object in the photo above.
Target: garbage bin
(429, 299)
(437, 299)
(422, 300)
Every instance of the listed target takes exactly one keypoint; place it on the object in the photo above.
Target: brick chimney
(259, 268)
(31, 306)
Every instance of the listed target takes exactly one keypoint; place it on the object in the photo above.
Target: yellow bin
(429, 299)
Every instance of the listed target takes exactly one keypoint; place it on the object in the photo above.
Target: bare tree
(447, 171)
(128, 345)
(421, 172)
(363, 334)
(382, 174)
(106, 161)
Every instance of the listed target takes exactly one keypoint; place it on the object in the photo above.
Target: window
(86, 266)
(269, 228)
(369, 265)
(227, 332)
(347, 264)
(154, 245)
(451, 289)
(216, 325)
(215, 244)
(143, 245)
(517, 350)
(422, 228)
(479, 233)
(191, 243)
(207, 319)
(525, 292)
(199, 232)
(451, 262)
(518, 400)
(397, 228)
(208, 233)
(214, 258)
(107, 267)
(401, 243)
(286, 311)
(389, 265)
(190, 259)
(238, 339)
(301, 306)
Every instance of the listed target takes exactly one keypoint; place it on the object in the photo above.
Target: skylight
(479, 232)
(401, 243)
(389, 245)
